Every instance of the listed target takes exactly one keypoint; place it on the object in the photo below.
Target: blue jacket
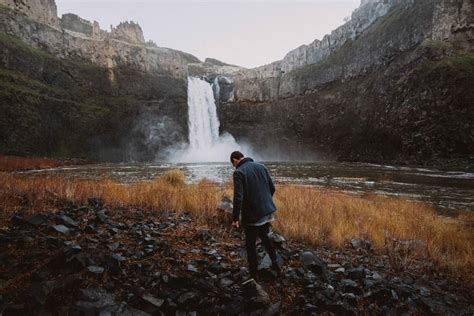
(253, 191)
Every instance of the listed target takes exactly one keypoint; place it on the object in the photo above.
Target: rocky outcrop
(454, 21)
(75, 38)
(129, 32)
(383, 95)
(43, 11)
(103, 95)
(441, 20)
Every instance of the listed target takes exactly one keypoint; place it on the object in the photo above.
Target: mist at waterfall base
(205, 142)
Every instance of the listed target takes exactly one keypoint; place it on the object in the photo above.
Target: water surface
(447, 190)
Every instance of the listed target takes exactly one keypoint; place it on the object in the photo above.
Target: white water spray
(205, 143)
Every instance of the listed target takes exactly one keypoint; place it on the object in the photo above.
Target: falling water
(203, 122)
(205, 143)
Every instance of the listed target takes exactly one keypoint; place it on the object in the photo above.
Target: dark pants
(251, 234)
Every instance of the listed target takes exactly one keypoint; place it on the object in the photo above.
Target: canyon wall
(94, 93)
(394, 84)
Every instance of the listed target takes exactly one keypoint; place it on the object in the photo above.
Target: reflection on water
(447, 190)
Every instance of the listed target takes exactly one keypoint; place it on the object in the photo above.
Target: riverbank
(14, 163)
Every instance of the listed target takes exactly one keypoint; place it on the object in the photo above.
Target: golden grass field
(8, 163)
(307, 215)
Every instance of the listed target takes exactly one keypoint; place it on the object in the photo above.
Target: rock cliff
(379, 88)
(70, 88)
(393, 84)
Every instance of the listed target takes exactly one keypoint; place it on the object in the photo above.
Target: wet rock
(61, 229)
(314, 263)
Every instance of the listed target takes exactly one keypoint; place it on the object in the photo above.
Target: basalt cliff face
(70, 88)
(394, 84)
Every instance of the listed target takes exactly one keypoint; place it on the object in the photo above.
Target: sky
(245, 33)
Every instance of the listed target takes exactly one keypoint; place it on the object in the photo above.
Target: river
(447, 190)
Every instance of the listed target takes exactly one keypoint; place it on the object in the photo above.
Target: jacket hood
(246, 159)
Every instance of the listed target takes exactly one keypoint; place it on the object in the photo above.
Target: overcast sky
(246, 33)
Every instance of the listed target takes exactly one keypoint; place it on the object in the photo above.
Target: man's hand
(236, 224)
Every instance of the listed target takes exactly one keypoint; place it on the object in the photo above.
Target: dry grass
(321, 217)
(9, 163)
(308, 215)
(168, 192)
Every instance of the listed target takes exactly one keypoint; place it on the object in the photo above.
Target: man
(253, 191)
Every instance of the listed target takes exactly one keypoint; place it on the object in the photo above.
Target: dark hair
(237, 155)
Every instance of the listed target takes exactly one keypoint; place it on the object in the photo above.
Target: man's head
(236, 157)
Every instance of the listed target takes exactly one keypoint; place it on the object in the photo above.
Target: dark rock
(96, 301)
(151, 304)
(432, 306)
(68, 221)
(38, 220)
(225, 282)
(192, 268)
(277, 239)
(17, 220)
(95, 270)
(61, 229)
(314, 263)
(272, 310)
(255, 295)
(96, 203)
(357, 273)
(14, 310)
(361, 244)
(114, 246)
(101, 217)
(340, 309)
(90, 229)
(187, 298)
(350, 286)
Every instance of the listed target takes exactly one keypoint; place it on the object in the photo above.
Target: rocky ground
(88, 260)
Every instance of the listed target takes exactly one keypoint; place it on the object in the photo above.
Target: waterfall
(205, 143)
(202, 115)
